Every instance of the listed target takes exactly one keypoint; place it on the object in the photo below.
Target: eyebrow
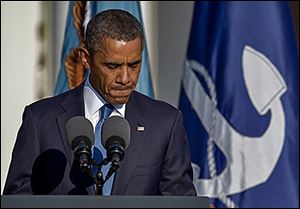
(112, 63)
(135, 62)
(119, 64)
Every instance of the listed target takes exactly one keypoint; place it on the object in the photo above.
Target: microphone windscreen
(116, 127)
(78, 129)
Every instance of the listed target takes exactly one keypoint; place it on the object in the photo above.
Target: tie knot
(105, 111)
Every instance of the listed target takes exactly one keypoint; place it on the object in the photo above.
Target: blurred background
(32, 34)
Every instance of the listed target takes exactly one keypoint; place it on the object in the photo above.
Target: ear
(85, 57)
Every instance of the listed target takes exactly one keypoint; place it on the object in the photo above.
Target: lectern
(87, 201)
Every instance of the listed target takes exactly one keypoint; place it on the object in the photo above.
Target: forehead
(119, 48)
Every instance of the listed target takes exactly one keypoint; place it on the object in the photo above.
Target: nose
(123, 76)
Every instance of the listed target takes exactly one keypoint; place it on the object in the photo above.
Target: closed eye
(112, 65)
(134, 64)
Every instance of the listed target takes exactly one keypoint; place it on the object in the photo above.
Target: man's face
(115, 69)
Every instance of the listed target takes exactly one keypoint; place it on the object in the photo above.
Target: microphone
(115, 137)
(80, 135)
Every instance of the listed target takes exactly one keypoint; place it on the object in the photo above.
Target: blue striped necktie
(99, 152)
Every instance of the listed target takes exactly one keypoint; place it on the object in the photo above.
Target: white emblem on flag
(244, 155)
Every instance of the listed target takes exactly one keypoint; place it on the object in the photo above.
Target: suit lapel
(73, 106)
(138, 124)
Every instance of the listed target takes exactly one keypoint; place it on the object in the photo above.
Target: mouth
(119, 96)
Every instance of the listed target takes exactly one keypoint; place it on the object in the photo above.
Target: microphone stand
(85, 167)
(99, 178)
(99, 183)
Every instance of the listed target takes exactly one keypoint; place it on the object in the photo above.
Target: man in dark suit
(157, 161)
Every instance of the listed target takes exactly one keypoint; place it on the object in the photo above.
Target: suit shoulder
(154, 105)
(48, 101)
(51, 105)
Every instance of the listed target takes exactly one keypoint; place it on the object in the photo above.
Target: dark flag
(240, 102)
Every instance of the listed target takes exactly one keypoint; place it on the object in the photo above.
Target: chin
(117, 101)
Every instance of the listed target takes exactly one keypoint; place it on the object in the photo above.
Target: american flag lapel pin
(140, 128)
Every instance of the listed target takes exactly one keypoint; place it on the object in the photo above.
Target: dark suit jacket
(157, 161)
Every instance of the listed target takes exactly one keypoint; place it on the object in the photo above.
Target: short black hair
(115, 24)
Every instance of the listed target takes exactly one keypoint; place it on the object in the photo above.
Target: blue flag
(240, 102)
(71, 41)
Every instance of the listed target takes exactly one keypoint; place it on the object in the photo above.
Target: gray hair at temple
(115, 24)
